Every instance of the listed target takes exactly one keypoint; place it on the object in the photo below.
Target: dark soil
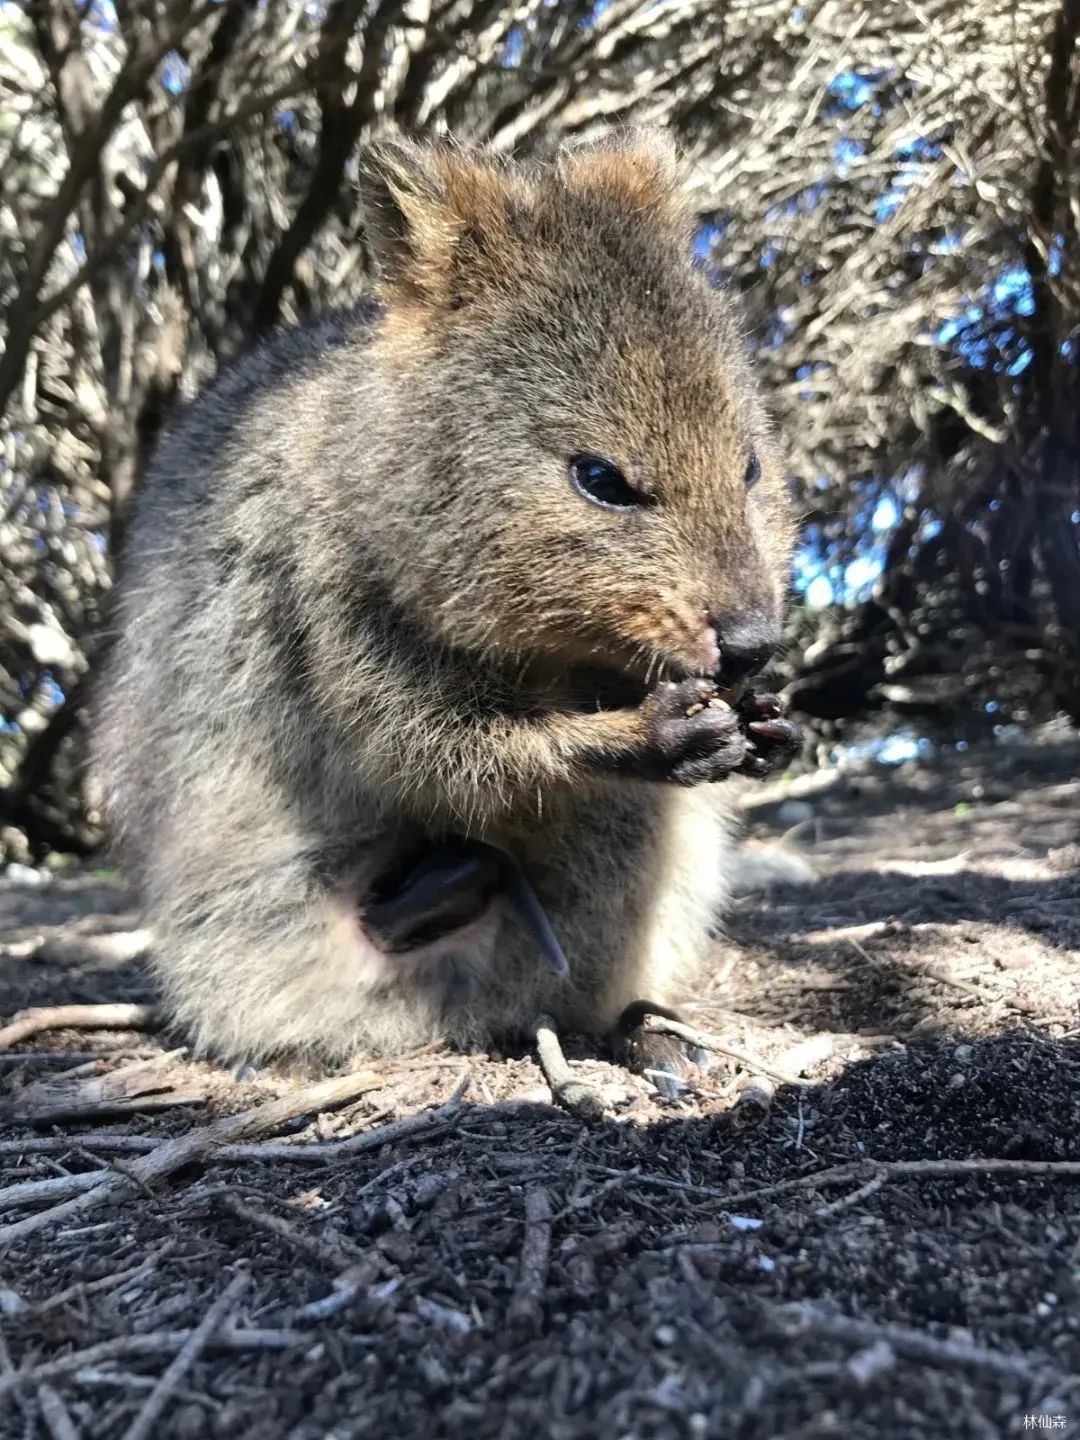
(930, 983)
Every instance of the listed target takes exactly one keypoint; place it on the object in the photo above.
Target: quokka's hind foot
(672, 1065)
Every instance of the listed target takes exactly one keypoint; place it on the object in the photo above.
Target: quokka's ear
(635, 168)
(439, 219)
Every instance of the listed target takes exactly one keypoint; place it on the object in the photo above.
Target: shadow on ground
(674, 1301)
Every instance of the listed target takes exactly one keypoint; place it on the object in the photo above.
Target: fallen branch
(60, 1144)
(171, 1155)
(78, 1017)
(909, 1169)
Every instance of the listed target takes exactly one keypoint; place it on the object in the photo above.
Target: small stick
(91, 1287)
(966, 987)
(594, 1196)
(60, 1144)
(423, 1125)
(527, 1303)
(905, 1169)
(754, 1101)
(165, 1342)
(860, 949)
(115, 947)
(845, 1202)
(53, 1410)
(56, 1187)
(8, 1378)
(806, 1317)
(55, 1414)
(78, 1017)
(334, 1257)
(574, 1095)
(171, 1155)
(121, 1380)
(426, 1122)
(356, 1269)
(637, 1177)
(693, 1036)
(340, 1298)
(74, 1057)
(141, 1428)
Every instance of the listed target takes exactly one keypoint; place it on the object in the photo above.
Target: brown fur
(362, 597)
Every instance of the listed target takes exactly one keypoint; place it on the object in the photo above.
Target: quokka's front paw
(773, 738)
(691, 735)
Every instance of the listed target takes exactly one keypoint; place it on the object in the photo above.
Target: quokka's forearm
(482, 768)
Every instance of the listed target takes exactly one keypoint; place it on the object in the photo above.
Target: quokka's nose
(747, 644)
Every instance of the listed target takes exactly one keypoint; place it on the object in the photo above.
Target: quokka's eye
(604, 483)
(753, 470)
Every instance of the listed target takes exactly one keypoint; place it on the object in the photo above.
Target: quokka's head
(583, 472)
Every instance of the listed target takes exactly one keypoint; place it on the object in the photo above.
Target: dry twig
(804, 1317)
(910, 1169)
(170, 1155)
(856, 1197)
(164, 1342)
(142, 1427)
(140, 1087)
(426, 1124)
(78, 1017)
(82, 1288)
(527, 1303)
(581, 1099)
(334, 1257)
(55, 1414)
